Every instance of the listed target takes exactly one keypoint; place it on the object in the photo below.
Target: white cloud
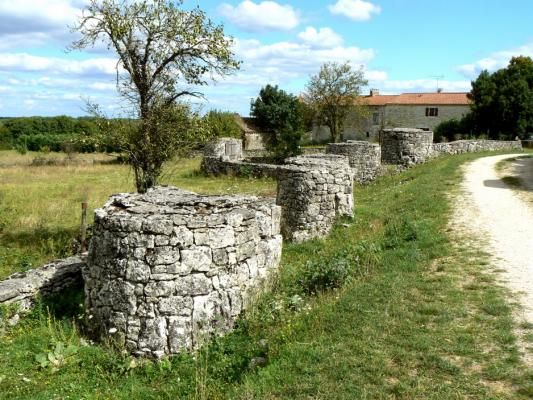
(31, 23)
(284, 60)
(495, 61)
(422, 85)
(103, 86)
(323, 37)
(357, 10)
(266, 15)
(24, 62)
(53, 14)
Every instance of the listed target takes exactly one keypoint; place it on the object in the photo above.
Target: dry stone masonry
(168, 267)
(406, 146)
(22, 288)
(470, 146)
(312, 191)
(364, 158)
(225, 149)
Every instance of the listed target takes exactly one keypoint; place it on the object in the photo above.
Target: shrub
(320, 275)
(280, 113)
(222, 124)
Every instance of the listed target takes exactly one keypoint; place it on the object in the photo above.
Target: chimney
(439, 90)
(374, 92)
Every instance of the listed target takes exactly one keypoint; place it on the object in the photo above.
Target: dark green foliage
(223, 124)
(502, 102)
(279, 112)
(49, 133)
(323, 274)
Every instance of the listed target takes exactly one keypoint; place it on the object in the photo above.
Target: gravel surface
(495, 212)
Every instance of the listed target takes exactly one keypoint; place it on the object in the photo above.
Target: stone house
(254, 138)
(413, 110)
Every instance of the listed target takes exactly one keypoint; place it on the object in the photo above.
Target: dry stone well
(166, 267)
(364, 158)
(406, 146)
(312, 191)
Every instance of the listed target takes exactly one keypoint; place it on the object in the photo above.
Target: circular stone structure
(364, 158)
(312, 191)
(406, 146)
(169, 267)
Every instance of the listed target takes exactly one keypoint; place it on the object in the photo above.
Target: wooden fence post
(83, 233)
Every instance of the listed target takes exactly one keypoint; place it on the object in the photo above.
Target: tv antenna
(438, 77)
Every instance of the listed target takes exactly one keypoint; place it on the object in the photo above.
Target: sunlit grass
(40, 205)
(421, 316)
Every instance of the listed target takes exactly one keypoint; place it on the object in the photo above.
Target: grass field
(40, 207)
(394, 305)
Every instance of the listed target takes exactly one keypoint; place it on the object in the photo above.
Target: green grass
(40, 206)
(419, 316)
(503, 168)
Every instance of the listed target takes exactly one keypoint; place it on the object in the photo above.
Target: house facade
(408, 110)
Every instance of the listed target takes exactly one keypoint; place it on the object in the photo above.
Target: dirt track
(494, 211)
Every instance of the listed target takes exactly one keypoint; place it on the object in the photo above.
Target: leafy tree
(222, 124)
(160, 47)
(334, 95)
(279, 112)
(502, 102)
(454, 129)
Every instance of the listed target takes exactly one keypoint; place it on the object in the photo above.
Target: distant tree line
(91, 134)
(48, 133)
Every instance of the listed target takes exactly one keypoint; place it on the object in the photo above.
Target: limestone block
(185, 274)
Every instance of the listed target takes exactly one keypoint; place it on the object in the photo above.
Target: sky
(402, 45)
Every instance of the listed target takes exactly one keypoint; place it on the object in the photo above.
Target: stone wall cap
(162, 200)
(407, 130)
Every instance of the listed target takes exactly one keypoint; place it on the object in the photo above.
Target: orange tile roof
(419, 98)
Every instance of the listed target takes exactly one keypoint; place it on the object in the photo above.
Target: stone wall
(312, 191)
(398, 115)
(225, 149)
(406, 146)
(169, 267)
(216, 166)
(22, 288)
(470, 146)
(364, 158)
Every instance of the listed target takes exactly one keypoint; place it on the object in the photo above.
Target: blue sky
(403, 46)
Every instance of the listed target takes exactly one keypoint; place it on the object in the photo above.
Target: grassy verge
(504, 168)
(392, 305)
(40, 205)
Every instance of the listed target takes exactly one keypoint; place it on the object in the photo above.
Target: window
(375, 118)
(432, 112)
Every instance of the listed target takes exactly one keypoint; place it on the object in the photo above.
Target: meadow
(41, 195)
(395, 304)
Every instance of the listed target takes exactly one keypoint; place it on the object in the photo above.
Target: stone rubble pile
(169, 267)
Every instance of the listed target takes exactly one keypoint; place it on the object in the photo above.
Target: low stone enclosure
(364, 158)
(470, 146)
(169, 266)
(22, 288)
(312, 189)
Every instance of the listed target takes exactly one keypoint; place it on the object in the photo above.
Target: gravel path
(491, 209)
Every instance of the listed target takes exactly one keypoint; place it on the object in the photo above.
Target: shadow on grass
(67, 304)
(55, 242)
